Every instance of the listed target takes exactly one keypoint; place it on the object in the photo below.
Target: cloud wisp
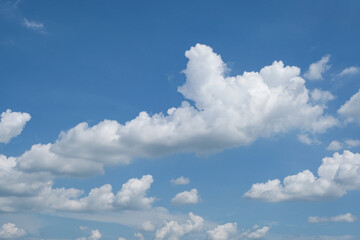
(348, 217)
(12, 124)
(317, 69)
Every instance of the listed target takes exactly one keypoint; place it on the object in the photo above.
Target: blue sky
(179, 120)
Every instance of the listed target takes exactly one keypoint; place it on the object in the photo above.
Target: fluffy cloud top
(10, 231)
(186, 197)
(180, 181)
(351, 109)
(317, 69)
(12, 124)
(229, 112)
(173, 230)
(348, 217)
(337, 175)
(223, 232)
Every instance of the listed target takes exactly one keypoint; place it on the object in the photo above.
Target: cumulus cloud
(348, 217)
(10, 231)
(317, 69)
(350, 71)
(180, 181)
(95, 235)
(186, 197)
(229, 231)
(229, 112)
(351, 109)
(22, 191)
(223, 232)
(12, 124)
(174, 230)
(336, 175)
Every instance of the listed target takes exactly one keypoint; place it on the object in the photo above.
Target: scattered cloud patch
(139, 236)
(95, 235)
(186, 197)
(223, 232)
(349, 71)
(348, 217)
(347, 144)
(335, 146)
(12, 124)
(229, 231)
(317, 69)
(11, 231)
(351, 109)
(321, 96)
(336, 175)
(180, 181)
(174, 230)
(305, 138)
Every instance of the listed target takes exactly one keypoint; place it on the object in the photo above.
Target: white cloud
(223, 232)
(305, 138)
(230, 112)
(229, 231)
(12, 124)
(139, 236)
(352, 142)
(321, 96)
(347, 144)
(180, 181)
(337, 175)
(317, 69)
(33, 25)
(186, 197)
(351, 109)
(174, 230)
(95, 235)
(350, 71)
(335, 146)
(348, 217)
(257, 233)
(10, 231)
(121, 238)
(147, 226)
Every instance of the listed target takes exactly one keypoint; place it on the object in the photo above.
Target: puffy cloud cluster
(223, 232)
(186, 197)
(33, 191)
(351, 109)
(229, 111)
(348, 217)
(321, 96)
(173, 230)
(12, 124)
(11, 231)
(229, 231)
(317, 69)
(336, 175)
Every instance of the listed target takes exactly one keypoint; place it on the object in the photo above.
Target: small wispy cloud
(317, 69)
(33, 25)
(350, 71)
(348, 217)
